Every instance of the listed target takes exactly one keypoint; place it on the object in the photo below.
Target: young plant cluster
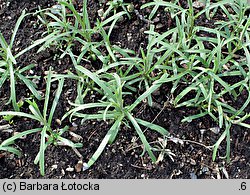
(200, 63)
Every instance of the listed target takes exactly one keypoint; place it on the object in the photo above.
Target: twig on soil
(108, 27)
(91, 134)
(197, 143)
(78, 153)
(74, 149)
(184, 140)
(139, 167)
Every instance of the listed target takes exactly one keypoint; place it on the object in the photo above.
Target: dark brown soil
(121, 159)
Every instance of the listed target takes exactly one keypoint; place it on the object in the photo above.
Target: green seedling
(9, 69)
(140, 71)
(71, 27)
(113, 109)
(48, 135)
(202, 72)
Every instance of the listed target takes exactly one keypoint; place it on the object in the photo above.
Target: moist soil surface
(190, 158)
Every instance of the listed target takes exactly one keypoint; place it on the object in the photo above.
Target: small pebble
(159, 26)
(58, 121)
(215, 130)
(129, 36)
(63, 172)
(205, 169)
(75, 137)
(182, 164)
(11, 156)
(79, 166)
(56, 9)
(192, 162)
(199, 4)
(85, 166)
(70, 169)
(100, 12)
(31, 71)
(54, 167)
(142, 30)
(156, 20)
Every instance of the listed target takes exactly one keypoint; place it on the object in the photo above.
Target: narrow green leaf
(155, 127)
(83, 107)
(42, 150)
(18, 135)
(11, 149)
(183, 93)
(3, 78)
(193, 117)
(56, 99)
(104, 142)
(217, 144)
(30, 85)
(142, 136)
(69, 143)
(20, 19)
(156, 85)
(13, 88)
(22, 114)
(94, 77)
(220, 112)
(47, 95)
